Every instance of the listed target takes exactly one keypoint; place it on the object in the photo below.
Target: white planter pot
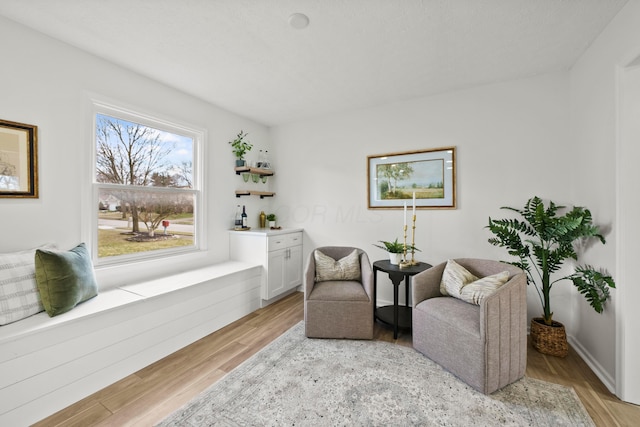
(395, 258)
(272, 224)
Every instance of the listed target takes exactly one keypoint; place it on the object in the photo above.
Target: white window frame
(136, 115)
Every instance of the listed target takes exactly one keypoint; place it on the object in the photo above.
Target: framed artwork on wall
(18, 160)
(424, 179)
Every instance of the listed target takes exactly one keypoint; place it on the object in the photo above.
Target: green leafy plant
(543, 240)
(240, 145)
(271, 217)
(395, 247)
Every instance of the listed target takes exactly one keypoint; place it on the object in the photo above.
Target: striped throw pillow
(475, 292)
(19, 297)
(454, 277)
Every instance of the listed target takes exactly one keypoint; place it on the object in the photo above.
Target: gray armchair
(486, 345)
(338, 308)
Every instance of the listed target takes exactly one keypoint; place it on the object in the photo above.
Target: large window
(145, 186)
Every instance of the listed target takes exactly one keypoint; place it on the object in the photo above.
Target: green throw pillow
(64, 279)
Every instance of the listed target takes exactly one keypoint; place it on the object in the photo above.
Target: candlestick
(413, 242)
(405, 215)
(404, 263)
(414, 204)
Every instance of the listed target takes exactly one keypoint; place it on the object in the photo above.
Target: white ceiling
(243, 56)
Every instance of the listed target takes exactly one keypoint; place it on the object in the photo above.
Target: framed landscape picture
(424, 179)
(18, 160)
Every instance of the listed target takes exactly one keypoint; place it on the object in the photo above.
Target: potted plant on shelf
(240, 148)
(542, 241)
(395, 250)
(272, 220)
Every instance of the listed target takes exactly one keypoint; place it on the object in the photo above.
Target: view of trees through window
(145, 186)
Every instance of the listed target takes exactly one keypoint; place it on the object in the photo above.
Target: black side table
(395, 315)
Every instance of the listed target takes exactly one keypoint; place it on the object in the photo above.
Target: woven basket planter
(550, 340)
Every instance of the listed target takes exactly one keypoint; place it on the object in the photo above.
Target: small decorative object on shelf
(266, 164)
(260, 163)
(240, 147)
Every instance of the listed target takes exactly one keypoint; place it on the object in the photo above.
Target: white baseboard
(596, 367)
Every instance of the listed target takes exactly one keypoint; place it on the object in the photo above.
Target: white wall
(45, 83)
(514, 140)
(512, 143)
(595, 88)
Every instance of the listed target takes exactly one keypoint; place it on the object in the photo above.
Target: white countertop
(266, 231)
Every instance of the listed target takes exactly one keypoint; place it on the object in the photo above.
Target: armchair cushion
(344, 290)
(453, 314)
(329, 269)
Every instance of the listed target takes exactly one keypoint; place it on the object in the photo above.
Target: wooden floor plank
(171, 403)
(149, 395)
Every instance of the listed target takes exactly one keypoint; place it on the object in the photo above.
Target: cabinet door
(293, 275)
(276, 273)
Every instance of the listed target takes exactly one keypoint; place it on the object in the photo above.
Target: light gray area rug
(296, 381)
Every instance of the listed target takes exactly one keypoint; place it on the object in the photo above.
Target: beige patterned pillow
(347, 268)
(454, 277)
(475, 292)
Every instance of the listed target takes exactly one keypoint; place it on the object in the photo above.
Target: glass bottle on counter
(238, 220)
(244, 217)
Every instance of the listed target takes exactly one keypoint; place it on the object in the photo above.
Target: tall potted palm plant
(543, 240)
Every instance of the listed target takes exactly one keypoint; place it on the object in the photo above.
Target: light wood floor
(152, 393)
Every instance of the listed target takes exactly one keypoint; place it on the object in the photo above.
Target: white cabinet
(279, 252)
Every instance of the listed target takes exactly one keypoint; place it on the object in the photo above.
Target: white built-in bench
(46, 363)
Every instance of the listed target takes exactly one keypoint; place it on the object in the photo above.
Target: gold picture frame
(18, 160)
(425, 179)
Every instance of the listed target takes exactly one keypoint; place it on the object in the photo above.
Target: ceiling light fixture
(298, 21)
